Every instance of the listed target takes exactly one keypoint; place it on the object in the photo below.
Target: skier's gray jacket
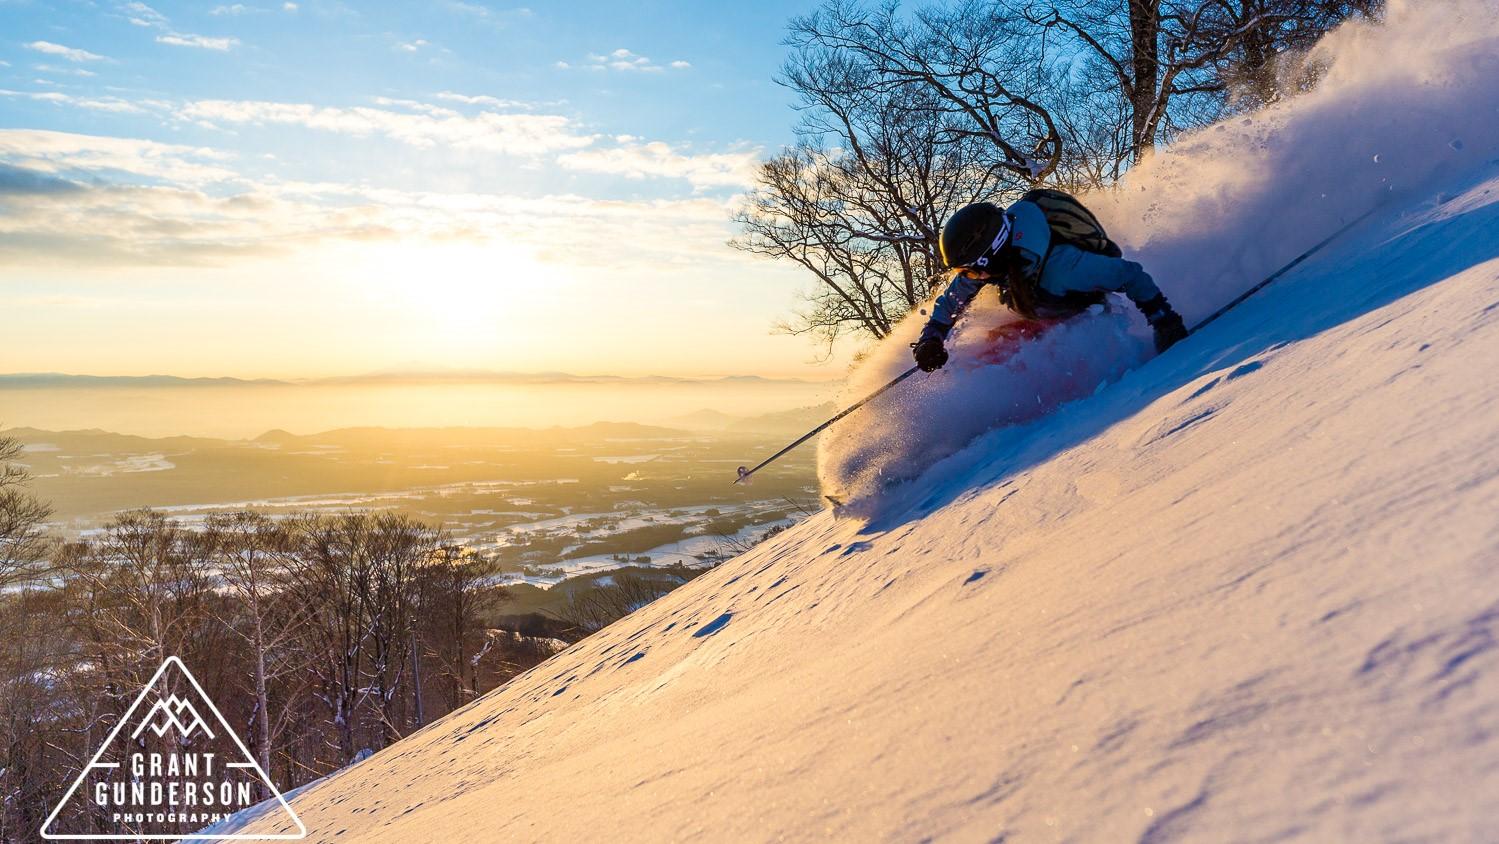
(1070, 279)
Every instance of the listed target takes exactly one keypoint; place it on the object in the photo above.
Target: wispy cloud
(473, 9)
(623, 60)
(71, 54)
(496, 132)
(481, 100)
(143, 15)
(655, 159)
(202, 42)
(112, 104)
(77, 156)
(489, 15)
(68, 71)
(411, 46)
(81, 200)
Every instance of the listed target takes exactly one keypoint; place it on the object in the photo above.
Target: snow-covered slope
(1247, 591)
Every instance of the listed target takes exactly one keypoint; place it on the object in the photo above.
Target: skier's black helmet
(974, 233)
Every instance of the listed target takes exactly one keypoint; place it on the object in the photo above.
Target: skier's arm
(1069, 269)
(950, 305)
(1072, 269)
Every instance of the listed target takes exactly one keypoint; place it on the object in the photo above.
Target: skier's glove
(1166, 323)
(1168, 330)
(929, 354)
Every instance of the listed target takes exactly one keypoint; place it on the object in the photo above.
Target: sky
(297, 189)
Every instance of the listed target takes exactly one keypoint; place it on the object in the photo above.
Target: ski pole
(1295, 262)
(744, 473)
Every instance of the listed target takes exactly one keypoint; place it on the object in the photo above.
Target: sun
(453, 297)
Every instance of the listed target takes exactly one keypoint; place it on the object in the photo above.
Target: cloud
(289, 7)
(68, 71)
(658, 160)
(623, 60)
(411, 46)
(142, 15)
(21, 181)
(79, 156)
(502, 133)
(98, 218)
(416, 105)
(69, 53)
(481, 100)
(473, 9)
(484, 14)
(202, 42)
(130, 224)
(112, 104)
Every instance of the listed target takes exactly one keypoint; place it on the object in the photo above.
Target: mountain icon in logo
(170, 767)
(172, 713)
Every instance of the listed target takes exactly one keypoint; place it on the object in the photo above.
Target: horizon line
(429, 375)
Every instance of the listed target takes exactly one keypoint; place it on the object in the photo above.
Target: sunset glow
(311, 189)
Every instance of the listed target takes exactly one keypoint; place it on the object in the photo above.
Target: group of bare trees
(320, 637)
(908, 115)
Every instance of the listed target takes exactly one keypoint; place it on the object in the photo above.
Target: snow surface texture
(1401, 106)
(1247, 592)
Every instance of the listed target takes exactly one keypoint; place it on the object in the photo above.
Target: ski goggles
(992, 253)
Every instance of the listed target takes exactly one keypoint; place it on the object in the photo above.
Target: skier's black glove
(1167, 323)
(929, 354)
(1168, 330)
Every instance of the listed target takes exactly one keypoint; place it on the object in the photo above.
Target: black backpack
(1071, 222)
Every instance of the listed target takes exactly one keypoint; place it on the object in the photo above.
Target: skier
(1050, 259)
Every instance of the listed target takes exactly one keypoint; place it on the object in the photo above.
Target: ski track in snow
(1245, 592)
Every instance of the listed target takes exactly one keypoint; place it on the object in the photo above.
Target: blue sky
(318, 187)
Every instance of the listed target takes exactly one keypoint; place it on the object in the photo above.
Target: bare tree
(398, 548)
(143, 590)
(596, 607)
(359, 575)
(1174, 64)
(902, 122)
(252, 555)
(455, 590)
(151, 592)
(973, 61)
(22, 543)
(329, 576)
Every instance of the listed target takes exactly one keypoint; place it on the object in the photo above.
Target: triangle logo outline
(248, 757)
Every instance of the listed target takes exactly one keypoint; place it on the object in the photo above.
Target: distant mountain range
(28, 380)
(783, 422)
(35, 380)
(101, 441)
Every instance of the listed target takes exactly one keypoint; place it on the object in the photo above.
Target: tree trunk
(262, 703)
(1145, 67)
(416, 683)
